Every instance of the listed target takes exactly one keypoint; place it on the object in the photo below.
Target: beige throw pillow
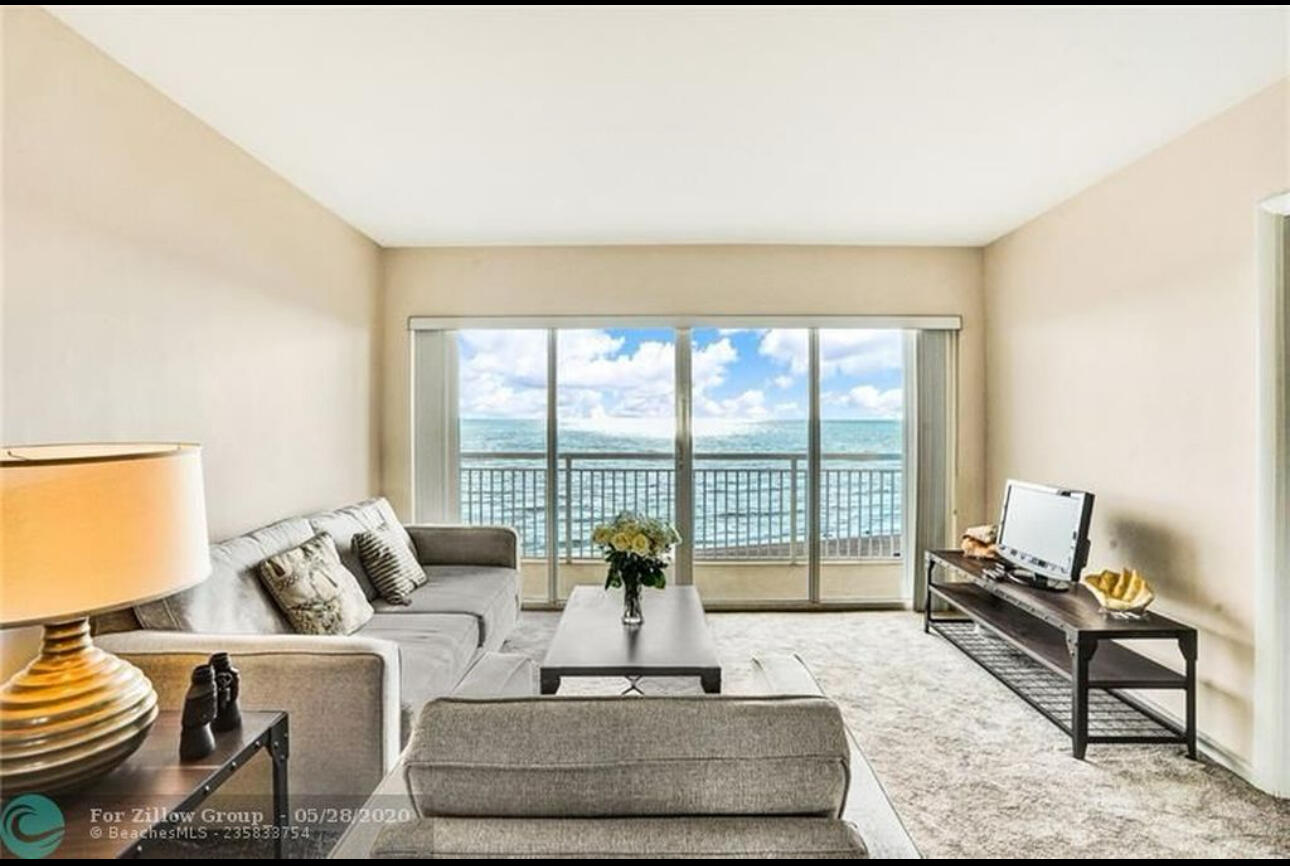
(389, 564)
(317, 594)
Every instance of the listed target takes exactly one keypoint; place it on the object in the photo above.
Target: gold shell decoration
(978, 542)
(1124, 592)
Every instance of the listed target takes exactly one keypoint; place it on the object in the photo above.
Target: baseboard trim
(766, 607)
(1211, 749)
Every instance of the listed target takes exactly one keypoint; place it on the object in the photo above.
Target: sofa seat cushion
(343, 523)
(232, 600)
(754, 837)
(499, 675)
(491, 595)
(435, 651)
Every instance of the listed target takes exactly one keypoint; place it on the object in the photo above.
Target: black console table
(1061, 654)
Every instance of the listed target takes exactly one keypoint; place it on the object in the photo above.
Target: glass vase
(632, 615)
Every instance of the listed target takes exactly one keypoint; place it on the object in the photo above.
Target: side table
(144, 798)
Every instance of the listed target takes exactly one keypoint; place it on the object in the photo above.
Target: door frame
(682, 327)
(1271, 759)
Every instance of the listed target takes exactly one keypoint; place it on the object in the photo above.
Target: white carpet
(972, 769)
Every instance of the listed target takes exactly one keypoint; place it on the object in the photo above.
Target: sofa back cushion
(343, 523)
(232, 600)
(599, 757)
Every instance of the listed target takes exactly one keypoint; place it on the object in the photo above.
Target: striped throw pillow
(389, 564)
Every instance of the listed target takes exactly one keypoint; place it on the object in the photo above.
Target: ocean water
(750, 482)
(717, 436)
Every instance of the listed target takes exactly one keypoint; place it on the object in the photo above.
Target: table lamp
(86, 529)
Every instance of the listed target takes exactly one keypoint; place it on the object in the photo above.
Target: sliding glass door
(615, 434)
(501, 419)
(862, 398)
(750, 431)
(778, 452)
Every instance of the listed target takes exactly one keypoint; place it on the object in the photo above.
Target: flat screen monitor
(1044, 530)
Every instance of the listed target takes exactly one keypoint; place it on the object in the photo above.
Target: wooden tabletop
(1075, 610)
(591, 639)
(140, 794)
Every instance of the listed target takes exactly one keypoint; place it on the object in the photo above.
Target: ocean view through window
(606, 410)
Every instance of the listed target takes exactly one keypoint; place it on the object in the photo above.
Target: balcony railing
(747, 506)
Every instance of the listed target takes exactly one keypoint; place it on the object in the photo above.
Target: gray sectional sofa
(350, 698)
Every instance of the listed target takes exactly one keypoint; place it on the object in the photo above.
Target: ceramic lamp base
(72, 714)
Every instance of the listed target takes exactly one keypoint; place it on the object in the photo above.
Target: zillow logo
(31, 826)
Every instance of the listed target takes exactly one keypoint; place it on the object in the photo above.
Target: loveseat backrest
(650, 756)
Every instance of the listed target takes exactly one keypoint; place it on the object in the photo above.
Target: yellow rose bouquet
(638, 550)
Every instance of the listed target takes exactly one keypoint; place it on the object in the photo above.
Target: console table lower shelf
(1060, 654)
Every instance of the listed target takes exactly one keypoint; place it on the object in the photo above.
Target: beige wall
(681, 280)
(1120, 358)
(162, 284)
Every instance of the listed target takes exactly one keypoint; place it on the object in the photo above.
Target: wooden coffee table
(591, 640)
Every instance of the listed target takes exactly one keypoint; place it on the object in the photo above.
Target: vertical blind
(436, 442)
(931, 407)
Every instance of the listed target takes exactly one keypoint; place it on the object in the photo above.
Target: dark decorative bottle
(228, 682)
(200, 707)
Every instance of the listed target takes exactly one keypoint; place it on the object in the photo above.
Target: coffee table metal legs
(711, 681)
(549, 683)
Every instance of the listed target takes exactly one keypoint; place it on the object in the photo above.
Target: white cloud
(866, 401)
(503, 374)
(520, 356)
(596, 379)
(708, 365)
(786, 347)
(750, 406)
(849, 351)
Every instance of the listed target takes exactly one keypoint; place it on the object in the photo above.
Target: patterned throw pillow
(389, 564)
(317, 593)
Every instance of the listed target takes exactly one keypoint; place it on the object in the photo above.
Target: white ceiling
(453, 125)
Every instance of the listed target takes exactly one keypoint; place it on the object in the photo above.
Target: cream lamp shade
(86, 529)
(90, 528)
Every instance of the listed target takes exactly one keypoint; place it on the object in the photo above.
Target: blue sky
(741, 375)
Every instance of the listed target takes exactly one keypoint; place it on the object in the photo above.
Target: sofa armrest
(784, 675)
(497, 546)
(341, 694)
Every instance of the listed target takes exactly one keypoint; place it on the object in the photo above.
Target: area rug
(972, 770)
